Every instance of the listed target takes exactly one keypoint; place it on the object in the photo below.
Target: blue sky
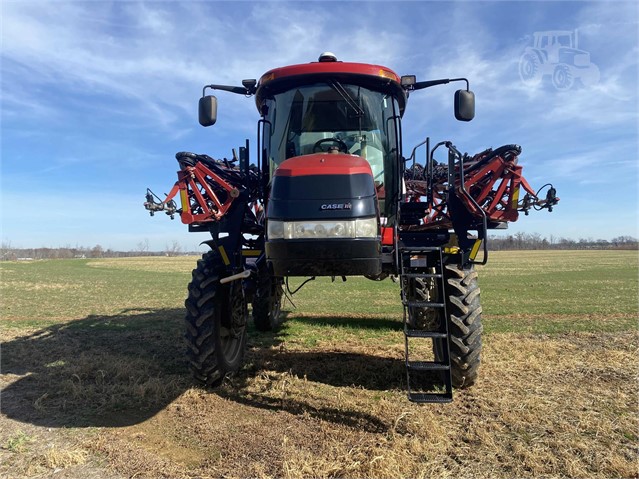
(98, 96)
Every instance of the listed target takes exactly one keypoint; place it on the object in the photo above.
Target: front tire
(215, 322)
(530, 69)
(464, 325)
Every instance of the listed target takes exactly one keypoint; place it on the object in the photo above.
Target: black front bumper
(330, 257)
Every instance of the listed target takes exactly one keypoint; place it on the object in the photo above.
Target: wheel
(216, 317)
(562, 77)
(317, 147)
(529, 69)
(464, 325)
(267, 301)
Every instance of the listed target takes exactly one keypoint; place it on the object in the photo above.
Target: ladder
(425, 263)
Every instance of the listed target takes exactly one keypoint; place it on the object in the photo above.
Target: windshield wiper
(350, 101)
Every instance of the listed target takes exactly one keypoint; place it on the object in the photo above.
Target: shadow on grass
(355, 419)
(113, 371)
(338, 369)
(335, 368)
(97, 371)
(375, 324)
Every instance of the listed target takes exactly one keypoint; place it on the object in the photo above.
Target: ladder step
(420, 333)
(430, 397)
(422, 304)
(419, 260)
(426, 366)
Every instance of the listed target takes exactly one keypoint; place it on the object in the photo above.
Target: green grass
(41, 293)
(538, 291)
(18, 442)
(531, 291)
(560, 291)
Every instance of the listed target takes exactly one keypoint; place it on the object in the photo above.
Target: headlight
(275, 229)
(366, 228)
(359, 228)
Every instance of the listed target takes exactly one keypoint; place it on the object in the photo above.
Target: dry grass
(43, 453)
(561, 407)
(154, 264)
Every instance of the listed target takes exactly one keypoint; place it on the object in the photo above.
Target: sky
(97, 97)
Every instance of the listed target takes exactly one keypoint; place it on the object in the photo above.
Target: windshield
(329, 116)
(564, 40)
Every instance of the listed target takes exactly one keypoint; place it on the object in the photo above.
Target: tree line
(10, 253)
(516, 241)
(534, 241)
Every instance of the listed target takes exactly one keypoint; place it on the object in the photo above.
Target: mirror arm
(427, 84)
(464, 80)
(240, 90)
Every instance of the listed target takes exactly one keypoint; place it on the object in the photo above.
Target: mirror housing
(207, 110)
(464, 105)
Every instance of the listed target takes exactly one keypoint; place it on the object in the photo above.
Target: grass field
(94, 383)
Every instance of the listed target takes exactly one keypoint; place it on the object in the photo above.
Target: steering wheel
(317, 147)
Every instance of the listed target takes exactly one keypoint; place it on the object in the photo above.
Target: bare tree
(174, 249)
(143, 247)
(97, 251)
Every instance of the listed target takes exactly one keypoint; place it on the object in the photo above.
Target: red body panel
(324, 164)
(329, 67)
(376, 76)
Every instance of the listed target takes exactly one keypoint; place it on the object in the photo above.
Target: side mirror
(207, 110)
(464, 105)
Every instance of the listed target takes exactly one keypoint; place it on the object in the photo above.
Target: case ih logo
(336, 206)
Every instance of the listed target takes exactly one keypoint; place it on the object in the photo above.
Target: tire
(267, 301)
(530, 69)
(216, 317)
(562, 77)
(464, 325)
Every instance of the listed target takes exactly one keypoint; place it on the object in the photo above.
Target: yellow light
(267, 78)
(387, 74)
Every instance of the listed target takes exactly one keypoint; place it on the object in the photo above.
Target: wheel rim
(276, 303)
(528, 69)
(562, 79)
(232, 335)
